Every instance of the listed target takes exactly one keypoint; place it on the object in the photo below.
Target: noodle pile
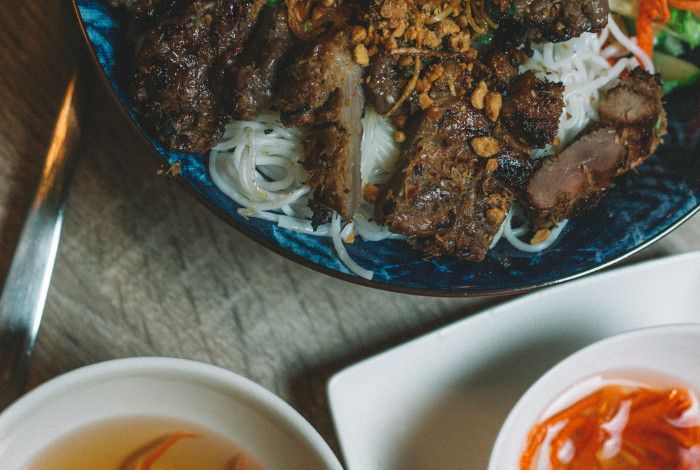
(257, 163)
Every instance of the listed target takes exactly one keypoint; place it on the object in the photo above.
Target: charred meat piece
(576, 178)
(325, 90)
(504, 61)
(254, 76)
(173, 89)
(443, 198)
(553, 20)
(313, 77)
(454, 80)
(634, 107)
(385, 83)
(514, 168)
(532, 109)
(332, 152)
(634, 100)
(448, 79)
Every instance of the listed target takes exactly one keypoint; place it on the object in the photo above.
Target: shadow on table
(308, 386)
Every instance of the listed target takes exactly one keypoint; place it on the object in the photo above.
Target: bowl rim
(636, 335)
(185, 370)
(241, 228)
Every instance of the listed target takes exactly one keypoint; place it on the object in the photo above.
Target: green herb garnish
(485, 38)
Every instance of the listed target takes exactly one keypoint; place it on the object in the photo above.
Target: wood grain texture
(143, 269)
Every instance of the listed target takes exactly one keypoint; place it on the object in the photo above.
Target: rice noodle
(343, 253)
(578, 64)
(257, 165)
(631, 45)
(513, 229)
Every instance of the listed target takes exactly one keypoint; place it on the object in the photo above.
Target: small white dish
(207, 396)
(439, 401)
(666, 351)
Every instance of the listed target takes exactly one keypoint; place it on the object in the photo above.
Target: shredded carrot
(658, 11)
(167, 443)
(663, 11)
(645, 26)
(653, 12)
(649, 440)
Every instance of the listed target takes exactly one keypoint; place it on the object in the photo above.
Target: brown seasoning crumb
(485, 146)
(539, 236)
(496, 215)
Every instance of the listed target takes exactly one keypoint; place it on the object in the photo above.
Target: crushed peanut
(496, 215)
(421, 35)
(485, 146)
(358, 34)
(361, 55)
(447, 27)
(436, 71)
(460, 42)
(406, 61)
(425, 101)
(370, 193)
(479, 94)
(539, 236)
(399, 137)
(494, 102)
(491, 165)
(399, 121)
(431, 40)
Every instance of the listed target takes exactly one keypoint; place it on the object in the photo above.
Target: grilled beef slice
(324, 89)
(553, 20)
(633, 106)
(632, 119)
(576, 177)
(503, 60)
(443, 198)
(385, 83)
(252, 79)
(532, 109)
(174, 87)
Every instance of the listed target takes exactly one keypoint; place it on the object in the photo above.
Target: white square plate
(438, 401)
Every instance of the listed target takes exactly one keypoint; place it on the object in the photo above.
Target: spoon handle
(29, 276)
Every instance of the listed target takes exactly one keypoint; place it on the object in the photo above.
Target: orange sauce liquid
(645, 438)
(143, 443)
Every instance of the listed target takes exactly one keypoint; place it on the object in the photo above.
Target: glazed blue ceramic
(640, 209)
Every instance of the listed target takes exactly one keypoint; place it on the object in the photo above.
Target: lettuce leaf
(683, 28)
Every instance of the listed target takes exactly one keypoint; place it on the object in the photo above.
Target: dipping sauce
(619, 425)
(143, 443)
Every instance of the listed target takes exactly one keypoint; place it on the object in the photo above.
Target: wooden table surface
(143, 269)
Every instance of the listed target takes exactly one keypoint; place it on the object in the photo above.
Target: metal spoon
(27, 282)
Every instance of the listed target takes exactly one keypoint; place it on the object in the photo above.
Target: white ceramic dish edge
(669, 350)
(372, 454)
(181, 370)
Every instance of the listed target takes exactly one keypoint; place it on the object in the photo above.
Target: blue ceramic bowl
(640, 209)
